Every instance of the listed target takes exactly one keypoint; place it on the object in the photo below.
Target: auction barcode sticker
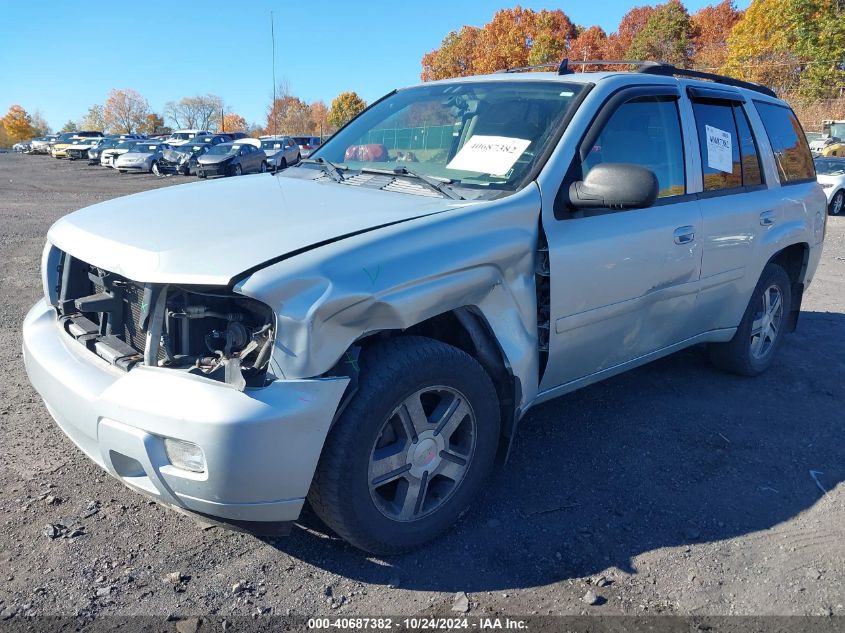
(493, 155)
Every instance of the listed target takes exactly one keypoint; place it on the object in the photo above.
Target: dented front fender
(479, 255)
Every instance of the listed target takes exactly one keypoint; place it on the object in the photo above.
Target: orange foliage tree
(711, 27)
(18, 124)
(233, 122)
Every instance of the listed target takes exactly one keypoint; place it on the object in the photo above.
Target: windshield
(66, 137)
(830, 167)
(271, 144)
(305, 140)
(145, 148)
(222, 149)
(475, 134)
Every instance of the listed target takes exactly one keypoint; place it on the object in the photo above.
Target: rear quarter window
(792, 154)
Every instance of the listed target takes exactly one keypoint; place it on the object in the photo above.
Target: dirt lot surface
(689, 491)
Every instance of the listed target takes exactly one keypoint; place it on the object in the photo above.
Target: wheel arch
(794, 259)
(467, 329)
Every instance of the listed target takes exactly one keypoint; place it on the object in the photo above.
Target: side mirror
(615, 186)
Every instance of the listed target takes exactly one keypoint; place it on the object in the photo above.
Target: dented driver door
(624, 283)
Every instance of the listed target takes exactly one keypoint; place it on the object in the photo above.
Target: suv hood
(210, 232)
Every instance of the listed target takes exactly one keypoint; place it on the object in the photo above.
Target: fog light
(185, 455)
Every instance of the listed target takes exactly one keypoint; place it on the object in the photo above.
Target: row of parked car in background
(183, 152)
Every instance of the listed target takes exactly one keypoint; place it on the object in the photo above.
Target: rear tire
(753, 348)
(383, 483)
(837, 203)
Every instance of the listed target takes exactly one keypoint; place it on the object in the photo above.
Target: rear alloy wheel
(836, 203)
(412, 449)
(752, 349)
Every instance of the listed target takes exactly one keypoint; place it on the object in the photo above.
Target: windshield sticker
(719, 150)
(493, 155)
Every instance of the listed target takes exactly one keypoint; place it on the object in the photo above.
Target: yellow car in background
(834, 149)
(59, 148)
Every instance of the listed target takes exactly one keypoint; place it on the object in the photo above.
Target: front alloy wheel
(411, 450)
(236, 170)
(422, 453)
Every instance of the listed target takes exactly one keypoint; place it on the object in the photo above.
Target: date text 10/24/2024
(417, 624)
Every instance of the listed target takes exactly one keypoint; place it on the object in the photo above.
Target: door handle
(767, 218)
(684, 234)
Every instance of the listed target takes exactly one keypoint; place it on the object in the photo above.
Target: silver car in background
(281, 151)
(109, 155)
(143, 157)
(41, 144)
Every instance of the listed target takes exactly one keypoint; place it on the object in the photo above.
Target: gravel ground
(673, 489)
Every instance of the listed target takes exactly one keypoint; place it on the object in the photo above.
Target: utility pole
(273, 43)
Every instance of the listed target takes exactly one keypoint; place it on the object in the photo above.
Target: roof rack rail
(671, 71)
(648, 67)
(563, 66)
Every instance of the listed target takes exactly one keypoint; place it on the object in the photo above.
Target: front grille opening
(208, 331)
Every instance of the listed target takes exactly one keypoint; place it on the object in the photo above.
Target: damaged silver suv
(365, 330)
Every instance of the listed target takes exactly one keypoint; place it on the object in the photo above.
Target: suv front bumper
(261, 446)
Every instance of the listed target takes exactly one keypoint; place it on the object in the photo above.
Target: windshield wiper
(438, 185)
(327, 166)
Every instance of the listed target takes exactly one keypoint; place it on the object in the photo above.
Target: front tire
(283, 164)
(154, 169)
(412, 449)
(753, 348)
(836, 203)
(237, 170)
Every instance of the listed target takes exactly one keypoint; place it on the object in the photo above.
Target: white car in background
(180, 137)
(109, 156)
(830, 172)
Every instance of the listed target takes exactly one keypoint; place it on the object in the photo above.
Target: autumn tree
(345, 107)
(201, 112)
(790, 45)
(666, 36)
(282, 112)
(319, 113)
(125, 111)
(619, 43)
(4, 137)
(591, 43)
(712, 25)
(233, 122)
(18, 124)
(454, 58)
(153, 124)
(93, 119)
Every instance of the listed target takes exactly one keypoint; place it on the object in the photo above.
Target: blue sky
(62, 56)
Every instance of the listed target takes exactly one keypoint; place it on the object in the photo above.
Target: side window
(751, 172)
(645, 131)
(795, 163)
(719, 144)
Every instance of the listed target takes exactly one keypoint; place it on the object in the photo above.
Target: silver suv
(365, 330)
